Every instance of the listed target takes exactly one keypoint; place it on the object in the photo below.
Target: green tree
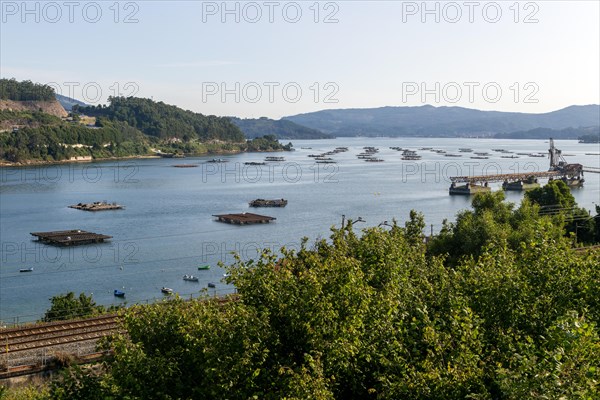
(67, 306)
(554, 196)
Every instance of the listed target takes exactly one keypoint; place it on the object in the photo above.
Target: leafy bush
(381, 315)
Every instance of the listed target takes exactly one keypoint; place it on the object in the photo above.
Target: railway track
(15, 340)
(28, 349)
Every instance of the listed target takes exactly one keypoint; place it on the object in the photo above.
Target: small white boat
(166, 290)
(190, 278)
(26, 269)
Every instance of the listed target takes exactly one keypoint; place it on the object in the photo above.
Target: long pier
(571, 174)
(523, 176)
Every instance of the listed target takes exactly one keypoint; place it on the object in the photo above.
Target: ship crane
(572, 173)
(557, 161)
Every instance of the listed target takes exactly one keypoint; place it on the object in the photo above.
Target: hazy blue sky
(511, 56)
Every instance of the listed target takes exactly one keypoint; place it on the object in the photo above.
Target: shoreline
(38, 163)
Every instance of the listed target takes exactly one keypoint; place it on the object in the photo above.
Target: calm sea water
(167, 228)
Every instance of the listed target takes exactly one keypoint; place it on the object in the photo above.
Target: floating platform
(185, 165)
(96, 206)
(244, 218)
(268, 203)
(70, 238)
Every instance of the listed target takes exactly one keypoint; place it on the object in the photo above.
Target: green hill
(11, 89)
(166, 121)
(57, 140)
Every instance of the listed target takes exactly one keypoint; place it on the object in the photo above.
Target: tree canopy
(379, 315)
(67, 306)
(11, 89)
(166, 121)
(57, 140)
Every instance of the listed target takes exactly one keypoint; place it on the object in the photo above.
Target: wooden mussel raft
(70, 238)
(96, 206)
(268, 203)
(185, 165)
(244, 218)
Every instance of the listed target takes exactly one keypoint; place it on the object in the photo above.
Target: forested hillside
(58, 140)
(166, 121)
(11, 89)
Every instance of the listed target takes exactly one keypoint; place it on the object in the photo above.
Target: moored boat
(166, 290)
(211, 285)
(203, 267)
(26, 269)
(119, 293)
(190, 278)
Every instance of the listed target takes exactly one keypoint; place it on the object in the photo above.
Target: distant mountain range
(424, 121)
(281, 129)
(429, 121)
(545, 133)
